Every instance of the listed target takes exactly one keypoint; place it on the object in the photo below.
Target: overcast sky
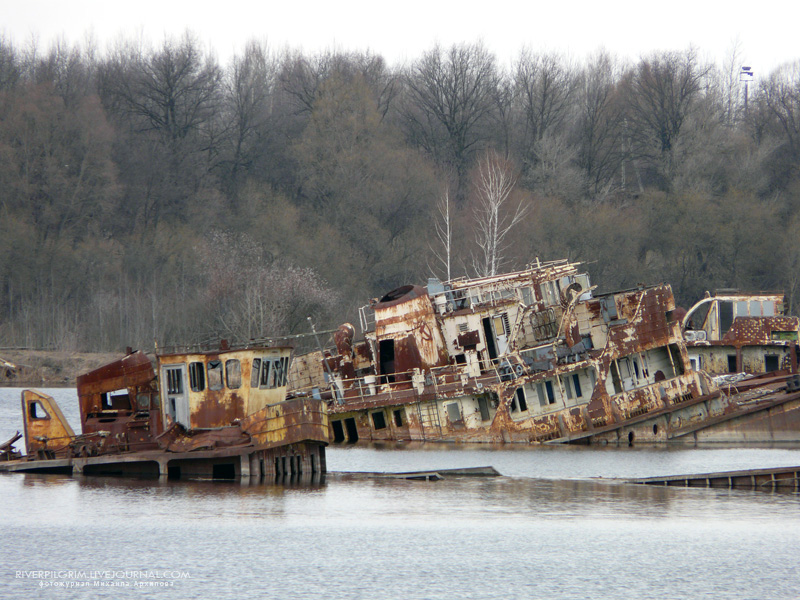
(400, 31)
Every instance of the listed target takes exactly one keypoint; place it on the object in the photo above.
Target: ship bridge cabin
(734, 332)
(215, 389)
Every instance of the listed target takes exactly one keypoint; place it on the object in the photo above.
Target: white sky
(401, 30)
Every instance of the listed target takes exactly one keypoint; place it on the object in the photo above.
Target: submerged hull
(286, 439)
(208, 414)
(765, 410)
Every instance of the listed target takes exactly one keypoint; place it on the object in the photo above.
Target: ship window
(523, 405)
(378, 420)
(175, 380)
(265, 373)
(769, 309)
(254, 372)
(37, 411)
(338, 432)
(453, 412)
(278, 373)
(741, 309)
(551, 397)
(771, 363)
(567, 388)
(527, 296)
(398, 417)
(725, 317)
(576, 382)
(541, 394)
(755, 308)
(732, 363)
(233, 374)
(197, 379)
(215, 375)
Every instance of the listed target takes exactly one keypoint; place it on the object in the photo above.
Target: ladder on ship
(428, 413)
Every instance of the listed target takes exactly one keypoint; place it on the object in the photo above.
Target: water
(549, 528)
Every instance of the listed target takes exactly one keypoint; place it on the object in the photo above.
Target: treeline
(151, 193)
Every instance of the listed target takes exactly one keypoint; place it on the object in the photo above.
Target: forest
(151, 195)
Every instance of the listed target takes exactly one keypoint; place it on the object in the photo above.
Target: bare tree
(495, 215)
(781, 94)
(662, 91)
(545, 88)
(731, 68)
(249, 90)
(599, 125)
(452, 96)
(173, 91)
(301, 77)
(444, 234)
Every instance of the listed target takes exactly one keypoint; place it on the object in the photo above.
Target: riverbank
(49, 368)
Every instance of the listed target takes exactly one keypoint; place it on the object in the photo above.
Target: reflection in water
(356, 537)
(554, 526)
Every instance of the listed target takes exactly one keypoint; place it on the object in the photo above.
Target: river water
(553, 526)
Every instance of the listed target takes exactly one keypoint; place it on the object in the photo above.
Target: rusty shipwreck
(737, 332)
(538, 356)
(220, 414)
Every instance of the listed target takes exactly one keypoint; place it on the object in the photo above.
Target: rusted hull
(763, 411)
(783, 478)
(286, 439)
(299, 459)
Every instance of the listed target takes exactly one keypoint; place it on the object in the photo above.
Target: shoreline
(49, 368)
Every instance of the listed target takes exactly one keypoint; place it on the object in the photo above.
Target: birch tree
(496, 213)
(444, 234)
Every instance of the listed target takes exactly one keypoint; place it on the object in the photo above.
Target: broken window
(551, 396)
(284, 371)
(379, 420)
(197, 378)
(277, 374)
(233, 374)
(338, 432)
(521, 401)
(771, 363)
(352, 430)
(37, 411)
(698, 318)
(398, 417)
(677, 359)
(254, 372)
(576, 383)
(725, 317)
(215, 375)
(175, 381)
(615, 378)
(265, 369)
(732, 363)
